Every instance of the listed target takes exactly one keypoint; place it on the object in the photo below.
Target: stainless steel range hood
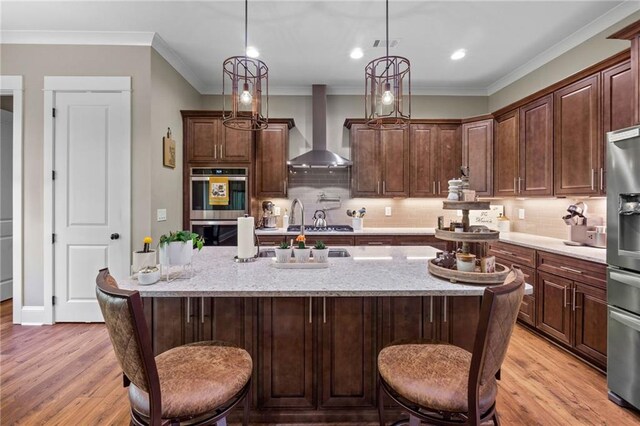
(319, 156)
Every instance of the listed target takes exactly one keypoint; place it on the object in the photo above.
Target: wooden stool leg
(495, 418)
(380, 403)
(247, 406)
(414, 421)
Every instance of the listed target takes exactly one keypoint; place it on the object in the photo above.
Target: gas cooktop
(310, 228)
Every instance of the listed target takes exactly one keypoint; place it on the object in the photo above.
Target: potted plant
(144, 258)
(176, 248)
(321, 252)
(283, 253)
(301, 252)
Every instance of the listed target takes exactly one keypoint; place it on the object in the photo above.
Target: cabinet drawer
(415, 240)
(270, 240)
(574, 269)
(512, 254)
(330, 240)
(528, 307)
(375, 240)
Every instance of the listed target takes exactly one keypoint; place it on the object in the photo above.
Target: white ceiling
(308, 42)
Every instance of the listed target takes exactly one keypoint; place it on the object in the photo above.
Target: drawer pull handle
(575, 271)
(375, 243)
(564, 296)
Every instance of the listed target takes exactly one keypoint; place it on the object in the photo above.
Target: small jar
(466, 262)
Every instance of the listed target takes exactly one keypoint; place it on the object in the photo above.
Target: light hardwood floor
(67, 374)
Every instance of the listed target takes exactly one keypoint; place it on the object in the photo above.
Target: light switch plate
(387, 211)
(162, 215)
(520, 213)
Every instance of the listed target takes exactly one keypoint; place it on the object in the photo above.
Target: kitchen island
(313, 334)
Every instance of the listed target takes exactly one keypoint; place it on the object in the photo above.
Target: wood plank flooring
(67, 374)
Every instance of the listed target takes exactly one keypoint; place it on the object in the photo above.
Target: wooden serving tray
(295, 265)
(466, 205)
(469, 237)
(455, 276)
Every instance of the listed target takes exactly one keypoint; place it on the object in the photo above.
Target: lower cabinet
(459, 320)
(554, 306)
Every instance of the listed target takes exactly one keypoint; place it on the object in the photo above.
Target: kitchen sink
(333, 252)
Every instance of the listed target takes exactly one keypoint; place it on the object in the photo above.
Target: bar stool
(442, 384)
(196, 384)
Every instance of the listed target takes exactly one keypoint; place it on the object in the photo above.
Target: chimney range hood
(319, 156)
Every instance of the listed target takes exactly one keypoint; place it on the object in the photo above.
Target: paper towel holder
(255, 257)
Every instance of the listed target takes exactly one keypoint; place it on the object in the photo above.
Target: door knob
(115, 236)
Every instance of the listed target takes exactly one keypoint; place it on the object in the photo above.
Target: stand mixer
(581, 234)
(269, 219)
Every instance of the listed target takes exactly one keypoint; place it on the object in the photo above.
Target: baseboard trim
(6, 290)
(32, 315)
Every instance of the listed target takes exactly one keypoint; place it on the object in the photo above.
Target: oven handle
(624, 278)
(627, 320)
(215, 222)
(206, 178)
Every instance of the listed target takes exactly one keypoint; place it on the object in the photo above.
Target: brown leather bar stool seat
(196, 384)
(442, 384)
(196, 378)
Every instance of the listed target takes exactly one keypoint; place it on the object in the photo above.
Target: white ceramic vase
(283, 255)
(302, 255)
(321, 255)
(176, 253)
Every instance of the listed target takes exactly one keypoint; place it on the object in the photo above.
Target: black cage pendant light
(245, 89)
(388, 90)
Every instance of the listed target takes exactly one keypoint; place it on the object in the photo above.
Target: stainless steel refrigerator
(623, 272)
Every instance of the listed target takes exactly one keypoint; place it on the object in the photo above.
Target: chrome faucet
(293, 214)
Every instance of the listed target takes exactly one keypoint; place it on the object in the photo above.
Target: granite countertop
(364, 231)
(370, 271)
(555, 245)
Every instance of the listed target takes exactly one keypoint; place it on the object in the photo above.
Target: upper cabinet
(524, 150)
(272, 152)
(208, 140)
(435, 158)
(632, 32)
(477, 155)
(578, 139)
(380, 162)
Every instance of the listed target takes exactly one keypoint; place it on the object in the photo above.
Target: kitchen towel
(218, 191)
(246, 247)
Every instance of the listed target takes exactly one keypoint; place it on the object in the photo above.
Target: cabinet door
(285, 353)
(408, 319)
(423, 160)
(225, 319)
(235, 145)
(578, 139)
(477, 155)
(459, 320)
(506, 146)
(374, 240)
(554, 306)
(173, 322)
(272, 152)
(617, 112)
(365, 173)
(536, 148)
(347, 352)
(394, 162)
(449, 157)
(590, 310)
(202, 137)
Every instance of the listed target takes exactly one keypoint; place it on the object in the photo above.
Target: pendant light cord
(246, 25)
(387, 28)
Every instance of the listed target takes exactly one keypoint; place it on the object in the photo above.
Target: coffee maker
(269, 219)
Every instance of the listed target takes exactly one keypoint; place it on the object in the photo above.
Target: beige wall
(592, 51)
(340, 107)
(170, 93)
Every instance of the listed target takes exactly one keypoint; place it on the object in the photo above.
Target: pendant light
(244, 82)
(388, 90)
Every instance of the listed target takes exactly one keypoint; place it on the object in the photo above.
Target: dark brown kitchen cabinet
(535, 175)
(617, 107)
(206, 139)
(271, 240)
(435, 158)
(235, 146)
(477, 155)
(272, 151)
(329, 240)
(590, 311)
(394, 162)
(632, 33)
(408, 319)
(374, 240)
(527, 311)
(200, 136)
(365, 172)
(459, 317)
(347, 352)
(554, 307)
(578, 139)
(506, 154)
(171, 321)
(287, 353)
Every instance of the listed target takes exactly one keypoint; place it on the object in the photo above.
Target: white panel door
(6, 204)
(91, 199)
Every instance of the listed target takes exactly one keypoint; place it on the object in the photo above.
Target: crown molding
(176, 62)
(595, 27)
(108, 38)
(305, 90)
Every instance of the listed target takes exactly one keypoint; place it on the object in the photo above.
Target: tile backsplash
(542, 216)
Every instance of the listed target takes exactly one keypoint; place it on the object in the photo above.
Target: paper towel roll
(246, 247)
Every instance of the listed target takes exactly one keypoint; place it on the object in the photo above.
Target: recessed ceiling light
(458, 54)
(252, 52)
(356, 53)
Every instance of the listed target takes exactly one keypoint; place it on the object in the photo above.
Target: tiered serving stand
(466, 237)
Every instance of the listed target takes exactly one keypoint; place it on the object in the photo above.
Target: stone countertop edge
(556, 246)
(364, 231)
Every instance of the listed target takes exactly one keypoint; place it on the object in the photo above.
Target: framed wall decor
(169, 150)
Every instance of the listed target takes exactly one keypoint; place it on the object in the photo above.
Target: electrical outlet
(387, 211)
(162, 215)
(520, 213)
(276, 211)
(459, 213)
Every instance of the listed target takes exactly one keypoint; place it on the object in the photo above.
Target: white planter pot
(176, 253)
(321, 256)
(283, 255)
(142, 260)
(302, 255)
